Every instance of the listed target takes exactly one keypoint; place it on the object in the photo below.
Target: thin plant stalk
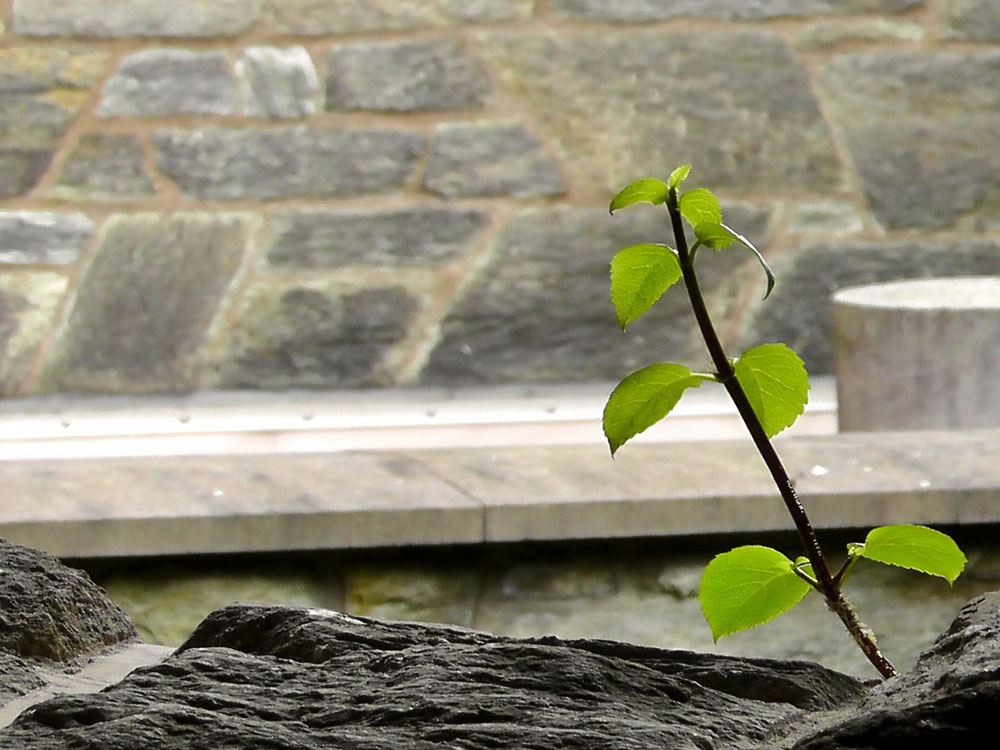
(825, 582)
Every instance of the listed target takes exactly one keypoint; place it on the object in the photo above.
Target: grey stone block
(314, 336)
(875, 30)
(423, 593)
(145, 301)
(540, 310)
(324, 238)
(921, 127)
(104, 166)
(484, 159)
(278, 82)
(43, 237)
(160, 82)
(737, 105)
(129, 18)
(286, 162)
(43, 90)
(317, 17)
(404, 76)
(799, 312)
(972, 20)
(658, 10)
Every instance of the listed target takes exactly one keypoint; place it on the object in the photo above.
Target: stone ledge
(208, 504)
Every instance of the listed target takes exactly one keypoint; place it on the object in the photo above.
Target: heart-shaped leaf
(748, 586)
(776, 384)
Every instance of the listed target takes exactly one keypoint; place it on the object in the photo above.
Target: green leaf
(699, 206)
(648, 190)
(746, 587)
(714, 236)
(644, 398)
(760, 258)
(776, 384)
(678, 176)
(640, 274)
(915, 547)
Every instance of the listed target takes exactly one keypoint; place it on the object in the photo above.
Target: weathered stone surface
(951, 694)
(404, 76)
(315, 336)
(974, 20)
(43, 90)
(737, 105)
(372, 684)
(145, 301)
(50, 611)
(326, 238)
(277, 82)
(914, 120)
(422, 593)
(43, 237)
(311, 17)
(17, 676)
(104, 166)
(829, 33)
(287, 162)
(159, 82)
(799, 312)
(128, 18)
(28, 303)
(540, 309)
(657, 10)
(473, 160)
(167, 603)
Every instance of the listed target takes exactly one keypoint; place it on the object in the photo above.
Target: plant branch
(828, 584)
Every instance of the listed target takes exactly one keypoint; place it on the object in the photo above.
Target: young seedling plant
(753, 584)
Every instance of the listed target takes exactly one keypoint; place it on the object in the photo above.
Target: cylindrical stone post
(918, 354)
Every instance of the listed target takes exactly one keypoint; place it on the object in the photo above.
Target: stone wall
(638, 592)
(349, 193)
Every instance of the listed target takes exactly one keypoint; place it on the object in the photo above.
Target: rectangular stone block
(288, 162)
(130, 18)
(43, 237)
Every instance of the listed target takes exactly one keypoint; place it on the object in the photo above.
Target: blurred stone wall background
(277, 194)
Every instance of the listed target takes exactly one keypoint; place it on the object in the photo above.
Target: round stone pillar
(919, 354)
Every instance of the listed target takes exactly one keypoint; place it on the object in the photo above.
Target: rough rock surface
(254, 676)
(51, 613)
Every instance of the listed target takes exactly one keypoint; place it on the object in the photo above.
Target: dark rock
(921, 128)
(736, 104)
(145, 302)
(50, 611)
(309, 336)
(800, 311)
(541, 310)
(950, 695)
(324, 238)
(265, 676)
(471, 160)
(17, 676)
(331, 680)
(404, 76)
(286, 162)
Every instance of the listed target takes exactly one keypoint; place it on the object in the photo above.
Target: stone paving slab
(205, 504)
